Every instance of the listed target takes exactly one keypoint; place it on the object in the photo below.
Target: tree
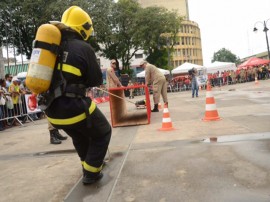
(224, 55)
(22, 18)
(127, 28)
(158, 30)
(116, 29)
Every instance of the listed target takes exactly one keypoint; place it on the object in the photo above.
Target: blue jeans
(195, 89)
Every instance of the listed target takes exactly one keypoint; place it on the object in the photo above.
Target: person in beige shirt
(157, 79)
(112, 80)
(131, 96)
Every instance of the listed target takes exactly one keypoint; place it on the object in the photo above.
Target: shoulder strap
(54, 48)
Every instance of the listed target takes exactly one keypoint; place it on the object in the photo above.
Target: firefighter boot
(59, 136)
(155, 108)
(89, 178)
(53, 138)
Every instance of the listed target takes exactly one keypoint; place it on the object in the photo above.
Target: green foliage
(158, 32)
(158, 57)
(224, 55)
(123, 42)
(130, 72)
(100, 12)
(22, 19)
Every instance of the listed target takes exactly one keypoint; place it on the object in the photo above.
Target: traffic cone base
(166, 121)
(211, 116)
(211, 113)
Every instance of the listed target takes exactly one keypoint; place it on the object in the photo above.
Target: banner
(31, 104)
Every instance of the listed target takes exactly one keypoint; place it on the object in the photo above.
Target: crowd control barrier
(18, 113)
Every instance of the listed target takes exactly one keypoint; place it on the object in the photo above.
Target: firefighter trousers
(92, 143)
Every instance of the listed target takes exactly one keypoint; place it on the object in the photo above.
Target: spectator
(8, 78)
(15, 91)
(194, 82)
(2, 105)
(55, 136)
(112, 80)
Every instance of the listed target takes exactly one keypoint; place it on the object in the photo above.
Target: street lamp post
(265, 29)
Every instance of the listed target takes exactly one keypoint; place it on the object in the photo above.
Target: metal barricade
(20, 112)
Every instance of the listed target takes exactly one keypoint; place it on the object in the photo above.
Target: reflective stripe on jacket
(70, 69)
(72, 120)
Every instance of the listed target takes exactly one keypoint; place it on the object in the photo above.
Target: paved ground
(150, 165)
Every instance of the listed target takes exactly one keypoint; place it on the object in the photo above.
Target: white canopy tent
(21, 75)
(142, 74)
(185, 67)
(220, 66)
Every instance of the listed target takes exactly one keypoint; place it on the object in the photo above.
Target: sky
(229, 24)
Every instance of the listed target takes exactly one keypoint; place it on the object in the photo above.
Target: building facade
(181, 6)
(188, 47)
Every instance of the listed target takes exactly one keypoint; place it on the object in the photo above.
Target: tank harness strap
(75, 90)
(54, 48)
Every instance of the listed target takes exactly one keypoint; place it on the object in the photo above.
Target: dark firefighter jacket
(79, 67)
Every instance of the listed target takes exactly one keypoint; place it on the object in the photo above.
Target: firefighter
(68, 108)
(157, 79)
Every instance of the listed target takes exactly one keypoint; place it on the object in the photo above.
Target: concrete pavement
(150, 165)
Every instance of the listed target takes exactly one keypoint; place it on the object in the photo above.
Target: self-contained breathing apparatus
(43, 58)
(48, 81)
(59, 86)
(74, 20)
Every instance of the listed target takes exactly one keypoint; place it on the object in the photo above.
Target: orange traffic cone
(159, 106)
(211, 113)
(166, 120)
(256, 80)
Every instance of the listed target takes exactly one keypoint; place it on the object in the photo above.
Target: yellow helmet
(78, 20)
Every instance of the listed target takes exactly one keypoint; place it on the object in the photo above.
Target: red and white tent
(251, 62)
